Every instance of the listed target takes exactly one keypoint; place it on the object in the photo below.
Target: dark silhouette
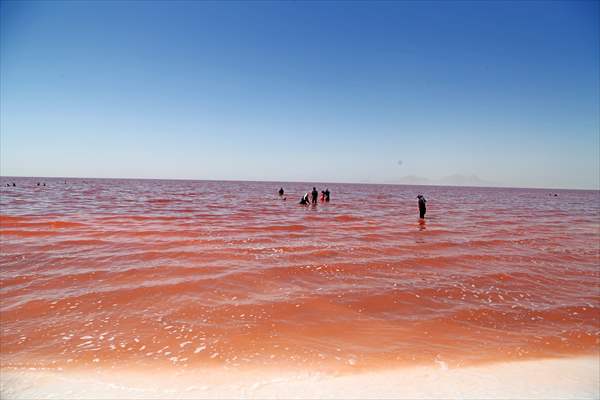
(422, 206)
(7, 185)
(281, 192)
(326, 194)
(44, 184)
(315, 195)
(304, 199)
(38, 184)
(14, 184)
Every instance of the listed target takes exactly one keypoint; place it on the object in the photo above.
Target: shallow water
(193, 273)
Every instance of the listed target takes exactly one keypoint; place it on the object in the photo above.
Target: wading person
(422, 206)
(304, 199)
(315, 195)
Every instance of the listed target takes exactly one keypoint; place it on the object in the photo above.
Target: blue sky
(316, 91)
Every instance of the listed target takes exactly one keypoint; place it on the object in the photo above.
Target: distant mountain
(450, 180)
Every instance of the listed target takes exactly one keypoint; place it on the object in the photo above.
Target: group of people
(15, 185)
(315, 196)
(325, 198)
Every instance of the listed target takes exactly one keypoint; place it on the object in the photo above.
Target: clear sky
(316, 91)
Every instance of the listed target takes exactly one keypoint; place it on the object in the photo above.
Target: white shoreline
(569, 378)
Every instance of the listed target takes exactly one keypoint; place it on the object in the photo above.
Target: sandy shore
(573, 378)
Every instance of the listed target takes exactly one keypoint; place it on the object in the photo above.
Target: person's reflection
(421, 238)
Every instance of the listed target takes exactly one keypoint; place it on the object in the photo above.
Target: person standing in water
(280, 192)
(422, 206)
(315, 195)
(327, 194)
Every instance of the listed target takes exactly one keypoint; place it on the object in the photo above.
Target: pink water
(180, 273)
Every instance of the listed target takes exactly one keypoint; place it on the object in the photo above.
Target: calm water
(180, 273)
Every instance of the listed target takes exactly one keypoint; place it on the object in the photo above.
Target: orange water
(143, 273)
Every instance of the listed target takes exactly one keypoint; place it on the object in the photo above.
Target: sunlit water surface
(180, 273)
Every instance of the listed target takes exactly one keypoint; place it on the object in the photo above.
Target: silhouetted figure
(38, 184)
(422, 206)
(304, 199)
(7, 185)
(315, 195)
(281, 191)
(44, 184)
(14, 184)
(326, 194)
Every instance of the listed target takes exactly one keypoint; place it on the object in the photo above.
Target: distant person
(14, 184)
(322, 198)
(422, 206)
(304, 200)
(281, 192)
(315, 195)
(38, 184)
(326, 194)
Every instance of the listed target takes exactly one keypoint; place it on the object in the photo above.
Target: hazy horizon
(505, 94)
(431, 182)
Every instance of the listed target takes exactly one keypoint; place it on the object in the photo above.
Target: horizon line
(297, 181)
